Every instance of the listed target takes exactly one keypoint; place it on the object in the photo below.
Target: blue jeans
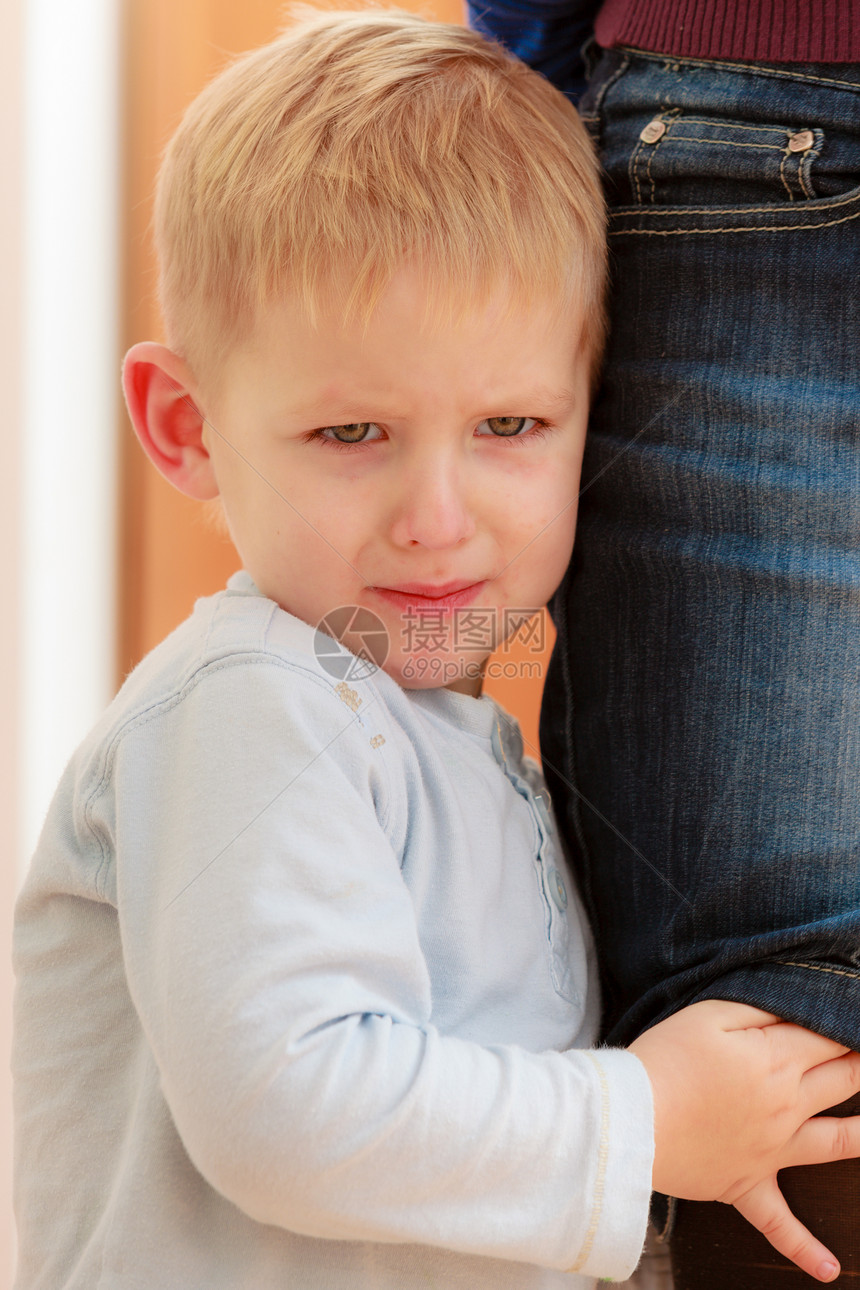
(701, 721)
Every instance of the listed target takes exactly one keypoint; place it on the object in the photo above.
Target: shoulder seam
(152, 711)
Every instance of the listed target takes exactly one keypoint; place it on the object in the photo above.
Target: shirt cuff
(615, 1235)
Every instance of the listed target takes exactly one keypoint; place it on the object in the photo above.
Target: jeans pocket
(686, 159)
(718, 145)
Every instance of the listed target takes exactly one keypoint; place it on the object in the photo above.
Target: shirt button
(543, 804)
(498, 746)
(557, 889)
(653, 131)
(801, 142)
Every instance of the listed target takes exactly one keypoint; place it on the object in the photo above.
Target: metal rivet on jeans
(801, 142)
(653, 131)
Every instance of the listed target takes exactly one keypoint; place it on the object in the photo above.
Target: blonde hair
(319, 163)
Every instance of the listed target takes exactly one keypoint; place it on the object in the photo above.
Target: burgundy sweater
(771, 31)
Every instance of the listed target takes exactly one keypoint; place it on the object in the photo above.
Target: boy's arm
(546, 34)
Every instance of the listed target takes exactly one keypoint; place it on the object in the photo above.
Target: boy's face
(428, 474)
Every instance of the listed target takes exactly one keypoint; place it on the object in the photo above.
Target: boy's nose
(432, 510)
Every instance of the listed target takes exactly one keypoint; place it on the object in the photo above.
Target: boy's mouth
(425, 595)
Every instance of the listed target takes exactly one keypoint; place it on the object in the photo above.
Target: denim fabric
(701, 723)
(546, 34)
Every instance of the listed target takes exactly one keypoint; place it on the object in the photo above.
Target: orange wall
(169, 555)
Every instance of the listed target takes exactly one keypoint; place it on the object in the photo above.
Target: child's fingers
(796, 1044)
(737, 1016)
(765, 1207)
(823, 1139)
(830, 1083)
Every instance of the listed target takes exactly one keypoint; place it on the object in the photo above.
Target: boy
(299, 966)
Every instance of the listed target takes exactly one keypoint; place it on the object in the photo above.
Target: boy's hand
(734, 1090)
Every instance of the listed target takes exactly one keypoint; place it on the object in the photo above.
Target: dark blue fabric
(701, 722)
(548, 36)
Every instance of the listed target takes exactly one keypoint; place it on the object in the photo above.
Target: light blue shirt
(303, 992)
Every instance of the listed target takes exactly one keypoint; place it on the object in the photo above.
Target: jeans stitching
(726, 143)
(853, 196)
(747, 228)
(607, 85)
(649, 172)
(804, 169)
(786, 154)
(596, 108)
(757, 69)
(659, 144)
(732, 125)
(634, 171)
(818, 967)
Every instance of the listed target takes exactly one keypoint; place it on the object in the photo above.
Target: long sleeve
(546, 34)
(274, 958)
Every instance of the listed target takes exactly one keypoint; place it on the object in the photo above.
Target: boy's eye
(506, 427)
(359, 432)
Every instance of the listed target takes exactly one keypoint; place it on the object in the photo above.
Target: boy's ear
(158, 391)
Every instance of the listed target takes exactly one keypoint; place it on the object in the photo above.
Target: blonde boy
(305, 993)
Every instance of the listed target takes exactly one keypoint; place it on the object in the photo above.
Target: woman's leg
(701, 722)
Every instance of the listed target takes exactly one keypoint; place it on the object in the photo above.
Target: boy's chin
(435, 672)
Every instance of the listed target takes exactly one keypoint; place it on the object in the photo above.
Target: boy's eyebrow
(556, 399)
(342, 411)
(550, 401)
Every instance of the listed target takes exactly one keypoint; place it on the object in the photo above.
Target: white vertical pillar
(59, 115)
(71, 117)
(11, 573)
